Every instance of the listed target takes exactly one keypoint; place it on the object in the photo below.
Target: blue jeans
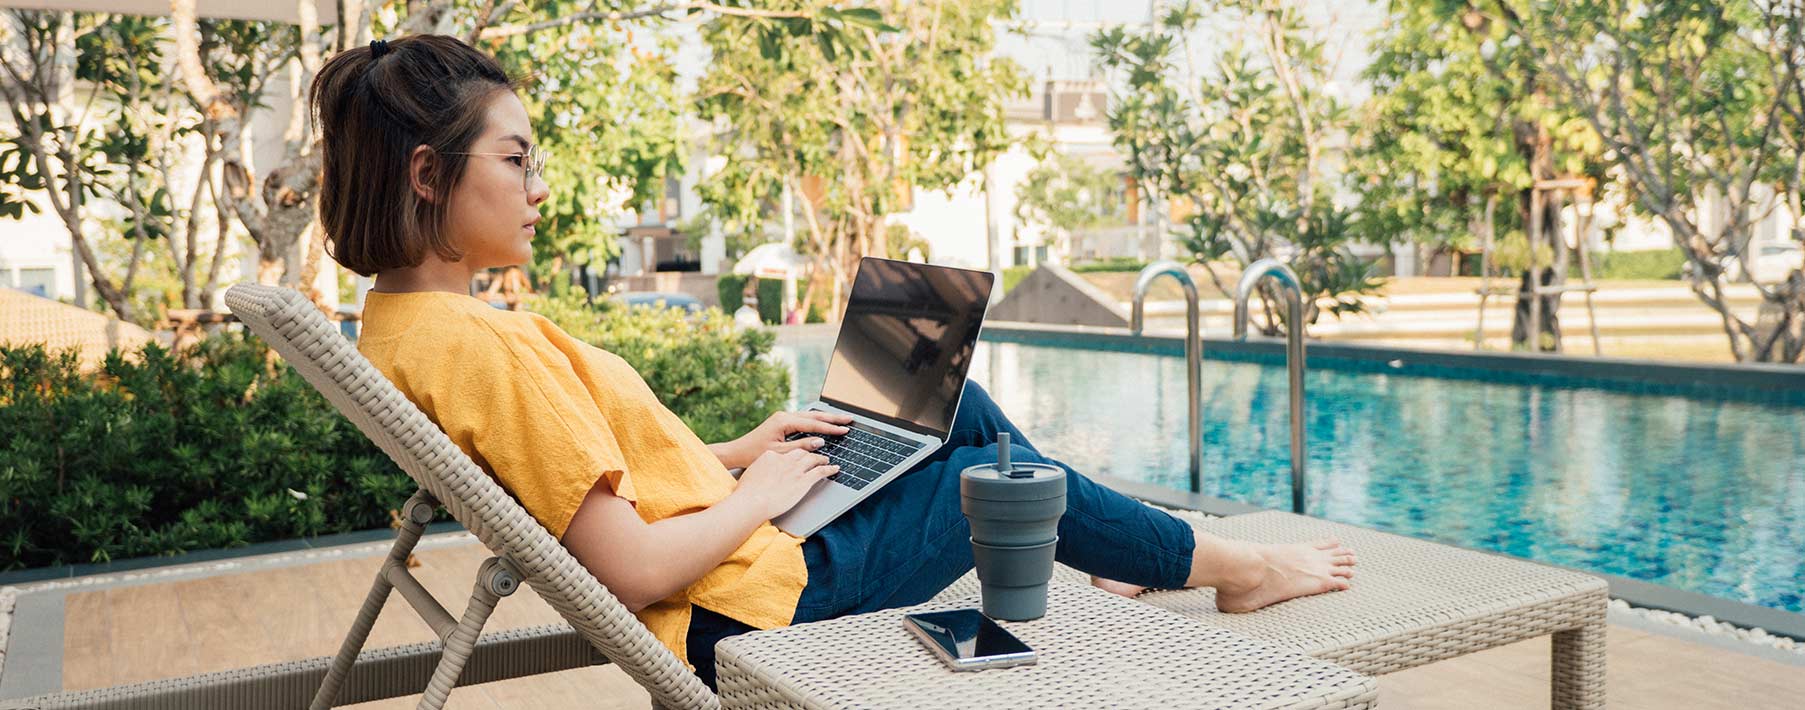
(909, 541)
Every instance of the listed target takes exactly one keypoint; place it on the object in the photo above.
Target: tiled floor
(133, 633)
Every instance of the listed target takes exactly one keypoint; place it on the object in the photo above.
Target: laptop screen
(906, 342)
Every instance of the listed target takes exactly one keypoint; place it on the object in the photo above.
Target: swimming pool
(1702, 495)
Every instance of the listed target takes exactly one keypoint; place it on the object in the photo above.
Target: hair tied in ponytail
(378, 48)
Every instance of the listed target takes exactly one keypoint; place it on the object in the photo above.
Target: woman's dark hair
(374, 105)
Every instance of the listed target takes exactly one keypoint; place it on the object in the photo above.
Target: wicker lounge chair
(1413, 602)
(1391, 621)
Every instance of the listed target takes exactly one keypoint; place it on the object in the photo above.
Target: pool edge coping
(1776, 384)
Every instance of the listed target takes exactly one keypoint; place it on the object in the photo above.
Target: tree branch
(503, 31)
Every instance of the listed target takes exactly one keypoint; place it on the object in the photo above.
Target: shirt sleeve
(530, 421)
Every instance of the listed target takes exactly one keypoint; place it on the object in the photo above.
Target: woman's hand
(775, 482)
(769, 436)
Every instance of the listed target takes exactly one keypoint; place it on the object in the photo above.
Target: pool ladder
(1193, 351)
(1294, 353)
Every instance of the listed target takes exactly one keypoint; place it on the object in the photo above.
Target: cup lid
(1024, 481)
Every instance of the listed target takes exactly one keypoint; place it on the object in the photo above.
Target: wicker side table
(1096, 650)
(1414, 602)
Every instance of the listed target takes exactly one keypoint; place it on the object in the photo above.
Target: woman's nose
(538, 191)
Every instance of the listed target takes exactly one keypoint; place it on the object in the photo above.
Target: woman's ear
(420, 167)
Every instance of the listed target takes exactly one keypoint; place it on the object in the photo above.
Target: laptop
(898, 369)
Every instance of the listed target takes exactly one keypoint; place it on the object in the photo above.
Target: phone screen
(966, 634)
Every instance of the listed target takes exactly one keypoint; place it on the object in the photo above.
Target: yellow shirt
(548, 415)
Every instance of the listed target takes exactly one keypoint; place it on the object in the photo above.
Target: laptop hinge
(902, 424)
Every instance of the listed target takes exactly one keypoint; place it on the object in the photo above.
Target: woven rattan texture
(303, 336)
(1096, 650)
(1413, 602)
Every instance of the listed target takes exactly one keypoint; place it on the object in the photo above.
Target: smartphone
(966, 640)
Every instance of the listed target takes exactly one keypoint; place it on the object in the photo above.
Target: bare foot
(1114, 587)
(1291, 571)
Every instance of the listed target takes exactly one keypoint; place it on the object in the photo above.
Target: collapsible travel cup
(1014, 511)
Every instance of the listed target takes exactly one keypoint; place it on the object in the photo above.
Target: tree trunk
(1542, 227)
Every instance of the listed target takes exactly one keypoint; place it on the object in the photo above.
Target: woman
(431, 176)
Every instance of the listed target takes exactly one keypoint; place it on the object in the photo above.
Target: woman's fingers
(819, 423)
(808, 444)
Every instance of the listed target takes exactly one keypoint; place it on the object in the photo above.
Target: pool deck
(125, 628)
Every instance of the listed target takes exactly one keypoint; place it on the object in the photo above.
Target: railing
(1294, 354)
(1193, 352)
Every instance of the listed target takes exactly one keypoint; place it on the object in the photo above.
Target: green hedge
(164, 453)
(1655, 264)
(223, 446)
(1114, 263)
(732, 287)
(1013, 275)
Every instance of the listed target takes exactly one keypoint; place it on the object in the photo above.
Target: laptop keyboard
(863, 454)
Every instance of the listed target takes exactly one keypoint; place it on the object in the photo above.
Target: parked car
(688, 303)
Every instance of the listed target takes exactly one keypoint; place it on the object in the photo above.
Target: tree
(605, 107)
(1065, 195)
(1250, 144)
(851, 110)
(122, 147)
(604, 101)
(1458, 131)
(1696, 103)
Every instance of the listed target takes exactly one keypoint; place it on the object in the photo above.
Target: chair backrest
(296, 329)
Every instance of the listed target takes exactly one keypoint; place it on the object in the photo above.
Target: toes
(1344, 572)
(1344, 558)
(1327, 543)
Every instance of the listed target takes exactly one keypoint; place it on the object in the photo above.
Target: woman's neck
(431, 275)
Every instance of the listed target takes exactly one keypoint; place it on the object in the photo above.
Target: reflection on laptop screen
(907, 341)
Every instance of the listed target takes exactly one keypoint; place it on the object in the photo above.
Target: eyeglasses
(533, 160)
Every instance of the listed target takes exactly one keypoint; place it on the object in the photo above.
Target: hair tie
(378, 48)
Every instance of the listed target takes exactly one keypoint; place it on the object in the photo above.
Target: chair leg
(1579, 667)
(496, 579)
(418, 511)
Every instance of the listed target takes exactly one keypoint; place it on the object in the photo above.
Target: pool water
(1705, 496)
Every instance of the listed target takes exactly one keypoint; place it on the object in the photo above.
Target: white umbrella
(771, 261)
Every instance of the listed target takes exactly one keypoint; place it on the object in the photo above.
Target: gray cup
(1014, 511)
(1012, 580)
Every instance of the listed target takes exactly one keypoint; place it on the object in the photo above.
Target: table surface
(1095, 649)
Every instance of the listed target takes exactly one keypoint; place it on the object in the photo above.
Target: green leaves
(852, 108)
(158, 453)
(1242, 148)
(605, 107)
(1064, 194)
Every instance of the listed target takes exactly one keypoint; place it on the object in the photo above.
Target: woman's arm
(642, 562)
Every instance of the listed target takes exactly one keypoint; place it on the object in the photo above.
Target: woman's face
(492, 214)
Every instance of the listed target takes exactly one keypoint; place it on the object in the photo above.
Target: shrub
(718, 380)
(221, 445)
(1014, 275)
(732, 288)
(165, 452)
(1114, 263)
(1654, 264)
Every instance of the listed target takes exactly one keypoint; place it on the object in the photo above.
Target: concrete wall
(1055, 295)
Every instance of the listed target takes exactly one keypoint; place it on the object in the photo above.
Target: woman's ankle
(1238, 568)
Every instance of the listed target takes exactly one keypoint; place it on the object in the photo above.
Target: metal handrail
(1294, 354)
(1193, 352)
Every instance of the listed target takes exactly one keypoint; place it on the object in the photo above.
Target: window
(41, 282)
